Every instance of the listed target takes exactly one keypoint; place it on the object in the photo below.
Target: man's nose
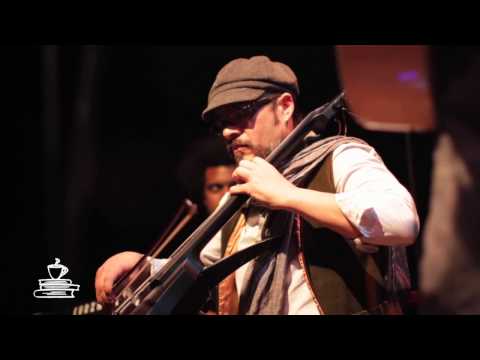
(230, 133)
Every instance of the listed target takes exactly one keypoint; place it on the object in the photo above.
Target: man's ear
(285, 106)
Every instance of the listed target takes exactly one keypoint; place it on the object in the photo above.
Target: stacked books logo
(56, 287)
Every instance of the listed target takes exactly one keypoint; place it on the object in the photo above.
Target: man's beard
(254, 151)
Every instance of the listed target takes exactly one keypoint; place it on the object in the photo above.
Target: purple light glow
(407, 76)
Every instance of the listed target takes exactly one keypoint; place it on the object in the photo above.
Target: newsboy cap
(248, 79)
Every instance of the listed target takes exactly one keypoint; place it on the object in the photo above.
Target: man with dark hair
(206, 172)
(340, 217)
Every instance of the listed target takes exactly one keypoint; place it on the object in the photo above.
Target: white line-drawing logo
(56, 287)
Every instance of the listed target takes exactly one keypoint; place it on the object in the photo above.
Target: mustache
(236, 143)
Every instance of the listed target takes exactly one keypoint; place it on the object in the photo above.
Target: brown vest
(343, 280)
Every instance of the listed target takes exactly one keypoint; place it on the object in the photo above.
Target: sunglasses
(236, 115)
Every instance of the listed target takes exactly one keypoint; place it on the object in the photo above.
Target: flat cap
(248, 79)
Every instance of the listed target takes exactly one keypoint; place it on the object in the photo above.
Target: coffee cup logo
(56, 287)
(57, 270)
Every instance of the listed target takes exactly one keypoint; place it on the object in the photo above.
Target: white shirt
(369, 196)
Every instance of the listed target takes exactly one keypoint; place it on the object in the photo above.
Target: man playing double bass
(341, 218)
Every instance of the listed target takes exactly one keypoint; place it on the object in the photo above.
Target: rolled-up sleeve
(371, 198)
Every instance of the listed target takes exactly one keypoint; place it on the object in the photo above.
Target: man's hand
(111, 270)
(262, 181)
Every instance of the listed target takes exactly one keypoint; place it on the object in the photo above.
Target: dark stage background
(98, 133)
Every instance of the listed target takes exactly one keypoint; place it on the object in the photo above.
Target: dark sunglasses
(236, 114)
